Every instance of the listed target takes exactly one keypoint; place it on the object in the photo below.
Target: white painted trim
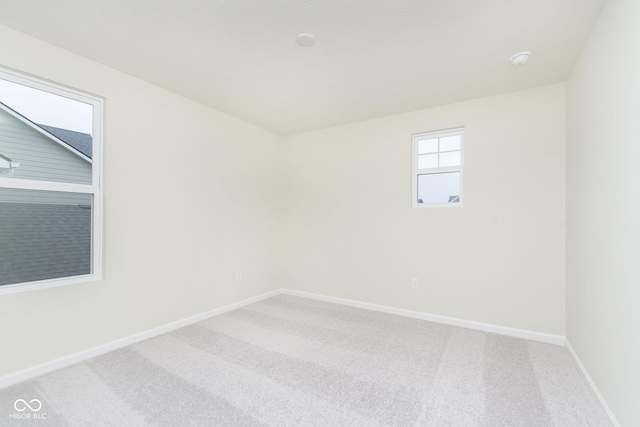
(72, 359)
(63, 362)
(469, 324)
(415, 172)
(586, 375)
(95, 189)
(30, 184)
(48, 284)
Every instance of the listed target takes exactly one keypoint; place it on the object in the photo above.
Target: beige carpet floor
(290, 361)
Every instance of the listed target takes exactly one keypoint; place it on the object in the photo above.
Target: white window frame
(415, 138)
(94, 189)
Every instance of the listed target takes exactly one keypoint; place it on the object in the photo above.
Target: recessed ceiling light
(520, 58)
(305, 39)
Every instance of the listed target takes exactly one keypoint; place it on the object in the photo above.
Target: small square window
(437, 169)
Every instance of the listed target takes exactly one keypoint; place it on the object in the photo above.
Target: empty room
(320, 213)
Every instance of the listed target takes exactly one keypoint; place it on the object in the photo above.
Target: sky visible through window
(47, 108)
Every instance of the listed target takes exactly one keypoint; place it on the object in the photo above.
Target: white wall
(603, 208)
(193, 195)
(190, 200)
(350, 230)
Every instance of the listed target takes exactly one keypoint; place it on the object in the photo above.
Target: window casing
(437, 164)
(50, 185)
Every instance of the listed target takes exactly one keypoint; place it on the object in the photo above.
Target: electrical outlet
(238, 276)
(415, 284)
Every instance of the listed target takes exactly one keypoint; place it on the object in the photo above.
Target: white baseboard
(485, 327)
(63, 362)
(469, 324)
(586, 375)
(45, 368)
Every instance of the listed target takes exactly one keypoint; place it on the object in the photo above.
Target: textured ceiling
(372, 58)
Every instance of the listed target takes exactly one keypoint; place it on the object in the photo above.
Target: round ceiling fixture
(520, 58)
(305, 39)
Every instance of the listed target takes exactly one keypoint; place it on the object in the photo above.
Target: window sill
(47, 284)
(437, 205)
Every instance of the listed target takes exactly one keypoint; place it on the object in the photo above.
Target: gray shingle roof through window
(83, 142)
(80, 142)
(43, 241)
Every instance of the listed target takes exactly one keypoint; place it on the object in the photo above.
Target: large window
(50, 178)
(437, 168)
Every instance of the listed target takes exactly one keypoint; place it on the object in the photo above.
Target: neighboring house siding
(40, 158)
